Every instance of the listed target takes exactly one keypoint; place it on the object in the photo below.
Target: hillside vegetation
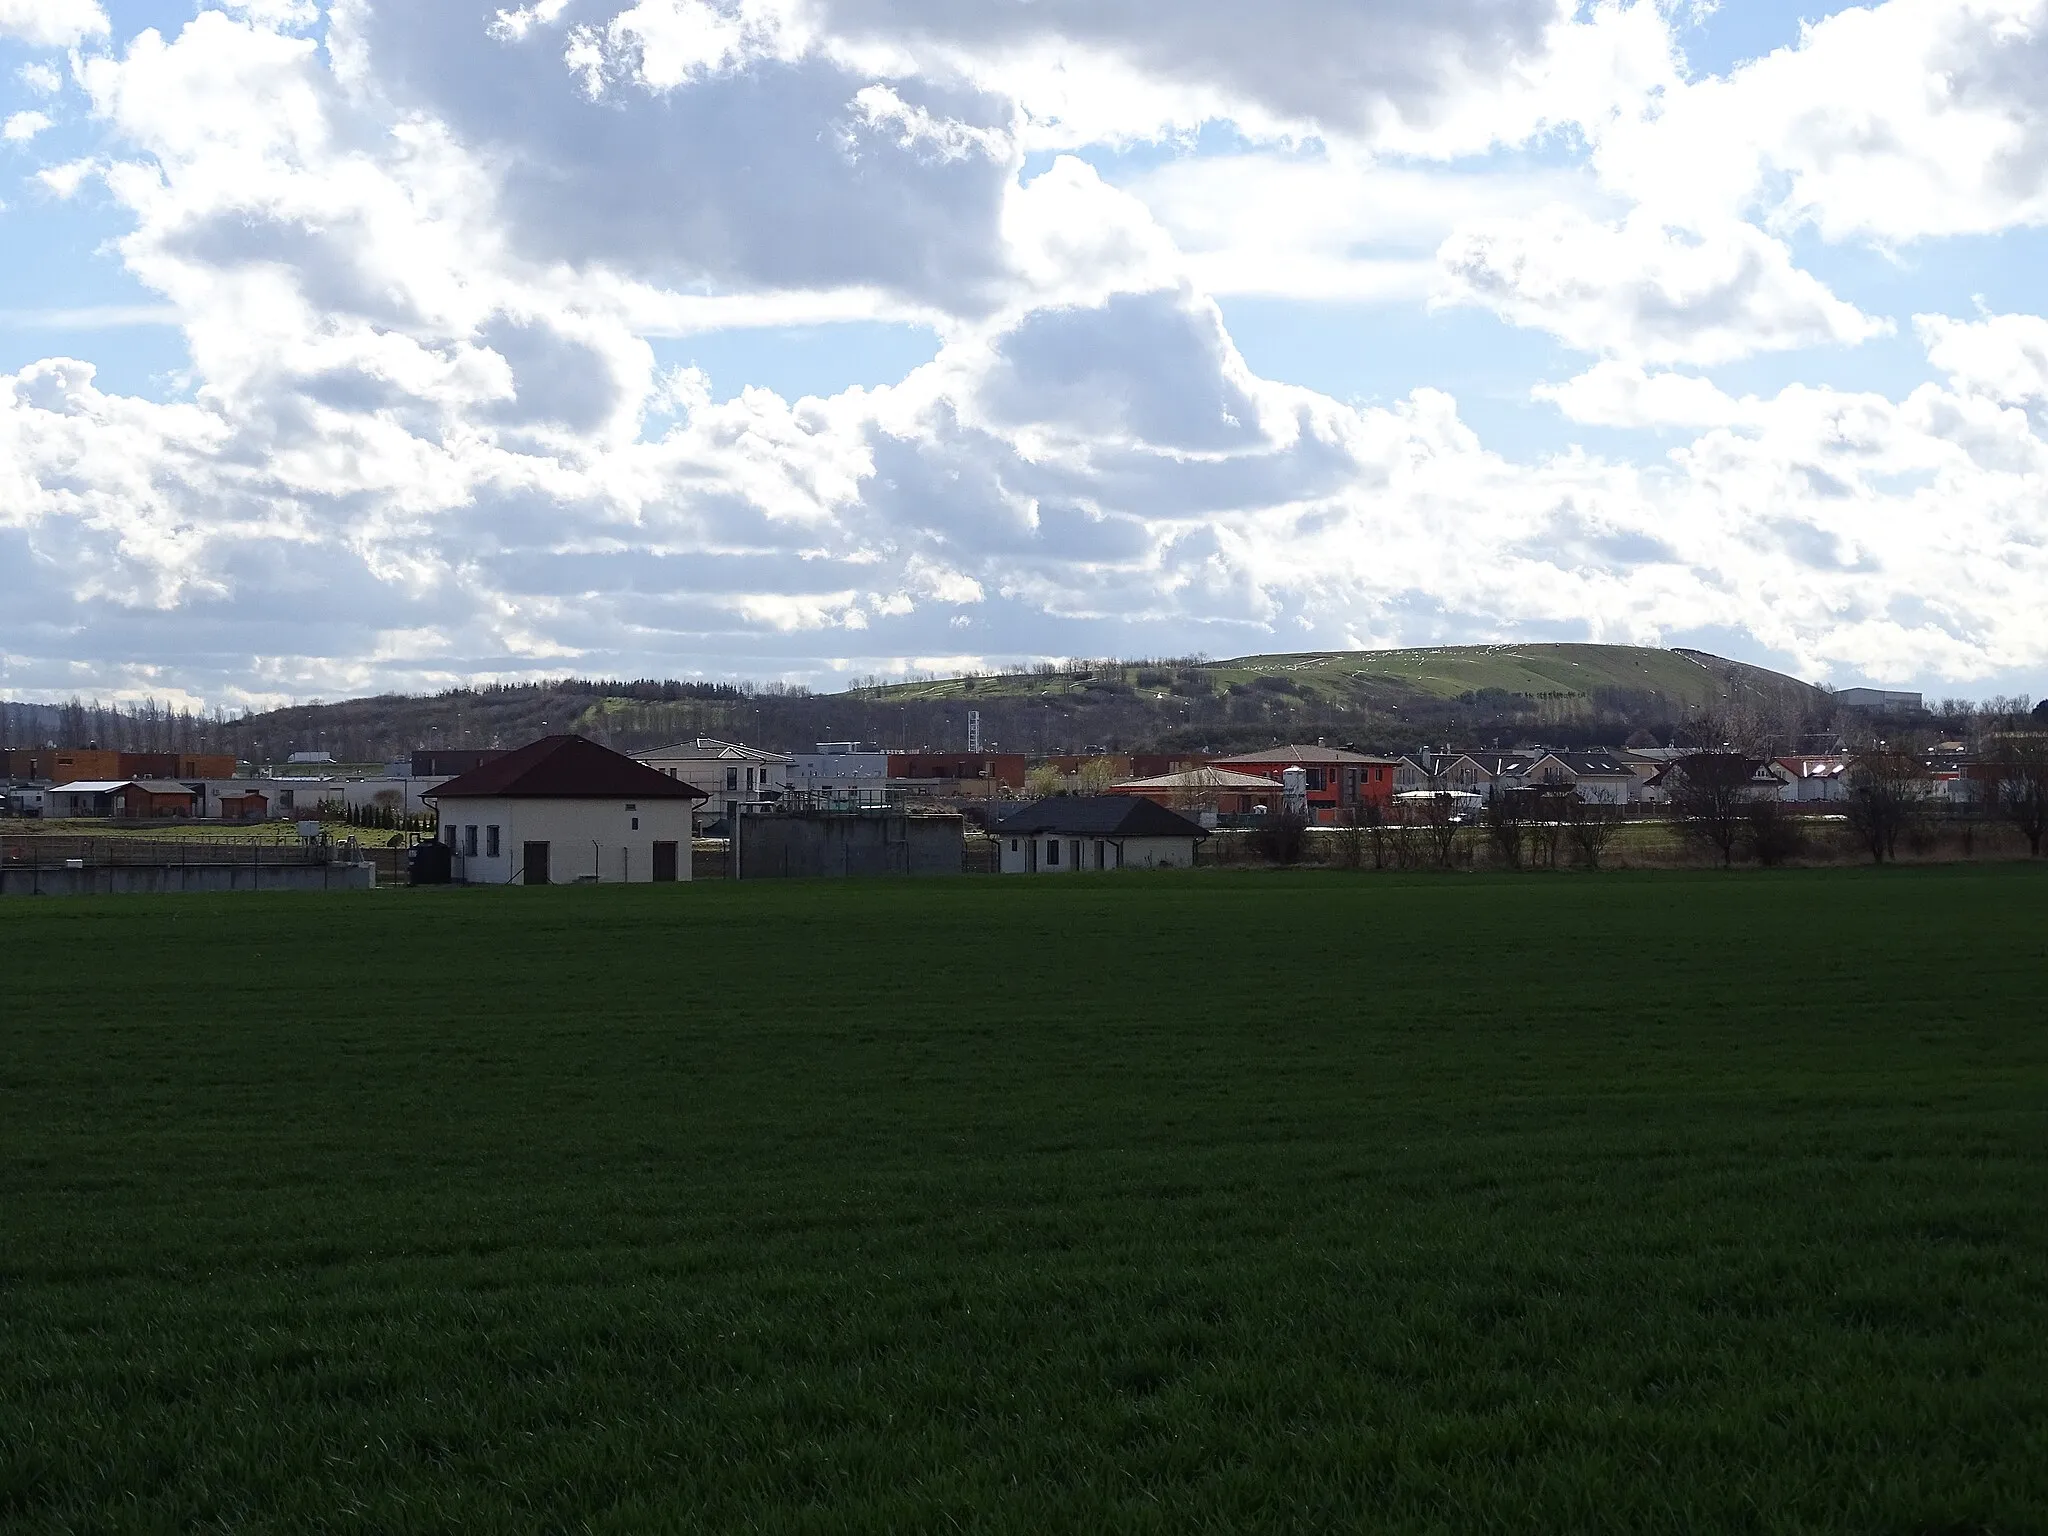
(1393, 701)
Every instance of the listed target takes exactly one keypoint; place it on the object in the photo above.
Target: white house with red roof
(566, 810)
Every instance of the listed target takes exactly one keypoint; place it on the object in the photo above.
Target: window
(490, 842)
(1052, 851)
(469, 842)
(636, 823)
(732, 778)
(452, 835)
(1013, 845)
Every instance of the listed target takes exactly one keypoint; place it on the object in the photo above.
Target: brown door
(536, 862)
(664, 863)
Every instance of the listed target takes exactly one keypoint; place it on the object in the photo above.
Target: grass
(1681, 1202)
(1441, 672)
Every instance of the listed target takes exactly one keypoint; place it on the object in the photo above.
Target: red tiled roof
(565, 768)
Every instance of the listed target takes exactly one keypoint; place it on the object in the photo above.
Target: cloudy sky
(383, 343)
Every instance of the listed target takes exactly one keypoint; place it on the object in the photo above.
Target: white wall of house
(1043, 853)
(612, 840)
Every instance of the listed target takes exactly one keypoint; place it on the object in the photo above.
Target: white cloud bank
(417, 260)
(51, 23)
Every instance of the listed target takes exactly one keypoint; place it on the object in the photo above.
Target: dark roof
(1583, 763)
(564, 768)
(1099, 816)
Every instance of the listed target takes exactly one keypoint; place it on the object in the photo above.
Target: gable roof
(710, 749)
(1492, 764)
(564, 768)
(1296, 754)
(1099, 816)
(1598, 765)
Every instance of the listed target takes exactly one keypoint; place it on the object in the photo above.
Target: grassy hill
(1563, 694)
(1686, 680)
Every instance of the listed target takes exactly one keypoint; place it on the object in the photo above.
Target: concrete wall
(174, 879)
(809, 847)
(585, 838)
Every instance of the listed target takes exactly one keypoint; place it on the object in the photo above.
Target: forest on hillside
(1102, 706)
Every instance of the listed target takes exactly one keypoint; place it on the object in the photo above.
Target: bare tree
(2021, 764)
(1442, 826)
(1593, 825)
(1096, 775)
(1710, 794)
(1545, 817)
(1889, 791)
(1502, 820)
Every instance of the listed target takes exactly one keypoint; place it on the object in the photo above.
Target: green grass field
(1678, 1202)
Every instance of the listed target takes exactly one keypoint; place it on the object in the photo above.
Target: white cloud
(426, 435)
(43, 79)
(1616, 394)
(51, 23)
(23, 126)
(2001, 357)
(1896, 121)
(1644, 290)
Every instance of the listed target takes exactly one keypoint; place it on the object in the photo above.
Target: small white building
(566, 810)
(736, 780)
(1068, 834)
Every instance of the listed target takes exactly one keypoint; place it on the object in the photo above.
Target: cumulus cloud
(51, 23)
(1645, 290)
(1898, 121)
(23, 126)
(2001, 357)
(417, 262)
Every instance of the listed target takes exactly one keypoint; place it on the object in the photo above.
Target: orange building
(69, 765)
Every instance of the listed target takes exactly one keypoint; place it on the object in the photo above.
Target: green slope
(1690, 678)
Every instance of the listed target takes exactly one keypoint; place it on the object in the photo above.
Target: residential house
(1821, 779)
(1479, 773)
(565, 809)
(1070, 834)
(1596, 777)
(739, 780)
(1339, 781)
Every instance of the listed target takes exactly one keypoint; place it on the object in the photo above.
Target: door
(664, 863)
(536, 862)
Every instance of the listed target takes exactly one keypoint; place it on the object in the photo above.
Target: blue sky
(390, 346)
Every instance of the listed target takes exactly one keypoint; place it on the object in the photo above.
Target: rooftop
(1098, 816)
(564, 768)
